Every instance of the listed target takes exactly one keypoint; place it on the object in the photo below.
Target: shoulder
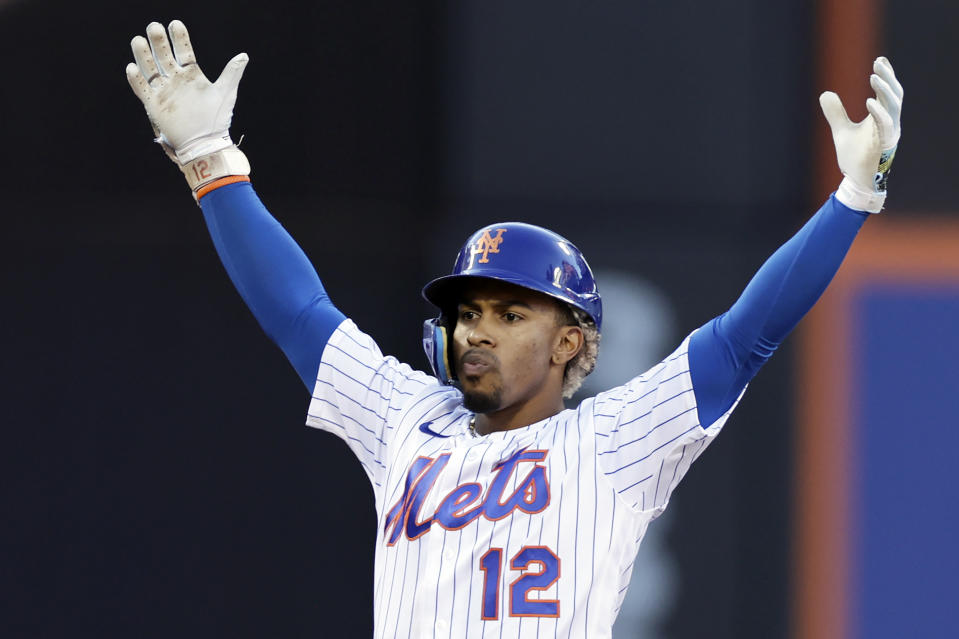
(350, 348)
(353, 367)
(673, 370)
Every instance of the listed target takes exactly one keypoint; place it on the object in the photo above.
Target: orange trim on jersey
(911, 251)
(212, 186)
(549, 495)
(486, 577)
(524, 569)
(414, 493)
(460, 505)
(405, 498)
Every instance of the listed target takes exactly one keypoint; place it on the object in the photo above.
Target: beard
(482, 402)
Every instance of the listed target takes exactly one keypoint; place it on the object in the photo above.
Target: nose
(478, 335)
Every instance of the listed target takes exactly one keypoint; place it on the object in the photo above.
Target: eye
(511, 317)
(467, 315)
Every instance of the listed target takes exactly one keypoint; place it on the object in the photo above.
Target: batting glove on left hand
(865, 149)
(190, 115)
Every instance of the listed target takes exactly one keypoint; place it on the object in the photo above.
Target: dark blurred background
(157, 479)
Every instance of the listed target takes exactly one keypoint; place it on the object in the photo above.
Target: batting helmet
(517, 253)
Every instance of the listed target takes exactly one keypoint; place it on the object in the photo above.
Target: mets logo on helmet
(487, 244)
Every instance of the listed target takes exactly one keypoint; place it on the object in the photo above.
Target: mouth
(476, 362)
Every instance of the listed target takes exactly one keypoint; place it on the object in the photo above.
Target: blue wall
(906, 495)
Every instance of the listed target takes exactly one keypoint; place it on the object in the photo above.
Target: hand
(190, 115)
(865, 149)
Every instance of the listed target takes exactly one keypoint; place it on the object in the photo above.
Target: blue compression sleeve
(273, 276)
(728, 351)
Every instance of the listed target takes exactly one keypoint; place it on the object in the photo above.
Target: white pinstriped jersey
(526, 533)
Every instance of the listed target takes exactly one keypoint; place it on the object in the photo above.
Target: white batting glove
(865, 150)
(190, 115)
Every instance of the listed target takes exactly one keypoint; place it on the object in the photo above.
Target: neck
(517, 416)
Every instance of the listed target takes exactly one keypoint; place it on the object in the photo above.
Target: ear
(568, 343)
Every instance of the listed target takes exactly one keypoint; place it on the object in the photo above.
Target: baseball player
(501, 512)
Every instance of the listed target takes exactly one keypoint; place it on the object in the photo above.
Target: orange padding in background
(909, 250)
(232, 179)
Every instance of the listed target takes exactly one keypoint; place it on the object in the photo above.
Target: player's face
(510, 347)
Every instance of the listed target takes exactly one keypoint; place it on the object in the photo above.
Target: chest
(449, 484)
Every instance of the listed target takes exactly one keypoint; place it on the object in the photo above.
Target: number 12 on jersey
(520, 605)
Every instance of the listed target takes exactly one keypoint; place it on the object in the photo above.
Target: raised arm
(191, 120)
(728, 351)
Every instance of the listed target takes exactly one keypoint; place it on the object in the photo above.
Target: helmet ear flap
(436, 345)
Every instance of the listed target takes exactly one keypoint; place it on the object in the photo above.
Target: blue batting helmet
(517, 253)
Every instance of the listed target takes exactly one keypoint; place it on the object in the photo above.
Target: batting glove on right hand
(865, 150)
(190, 115)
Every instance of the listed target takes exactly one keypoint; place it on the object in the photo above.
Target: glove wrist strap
(853, 196)
(201, 147)
(209, 168)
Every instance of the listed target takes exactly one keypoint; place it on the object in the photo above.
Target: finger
(162, 52)
(144, 59)
(883, 120)
(137, 82)
(886, 96)
(834, 111)
(884, 70)
(180, 39)
(233, 72)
